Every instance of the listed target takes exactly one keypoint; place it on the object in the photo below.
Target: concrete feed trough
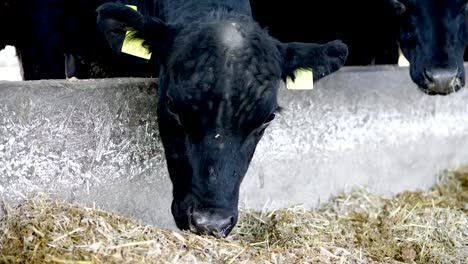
(97, 141)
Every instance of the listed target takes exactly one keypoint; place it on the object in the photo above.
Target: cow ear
(116, 21)
(321, 59)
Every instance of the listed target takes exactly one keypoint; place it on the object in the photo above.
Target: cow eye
(269, 119)
(170, 108)
(265, 124)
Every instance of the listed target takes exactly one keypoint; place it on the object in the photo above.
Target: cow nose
(442, 80)
(215, 222)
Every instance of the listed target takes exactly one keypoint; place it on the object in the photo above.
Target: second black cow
(431, 33)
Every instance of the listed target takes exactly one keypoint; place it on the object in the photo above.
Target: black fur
(219, 78)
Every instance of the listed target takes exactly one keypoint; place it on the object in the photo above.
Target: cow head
(218, 85)
(433, 37)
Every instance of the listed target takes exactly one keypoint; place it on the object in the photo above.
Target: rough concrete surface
(97, 141)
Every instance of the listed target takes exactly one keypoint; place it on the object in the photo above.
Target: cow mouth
(181, 217)
(215, 222)
(431, 90)
(203, 221)
(222, 233)
(182, 222)
(441, 86)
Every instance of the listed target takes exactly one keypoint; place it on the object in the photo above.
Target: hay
(427, 226)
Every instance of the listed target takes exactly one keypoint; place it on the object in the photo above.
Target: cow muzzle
(208, 221)
(442, 81)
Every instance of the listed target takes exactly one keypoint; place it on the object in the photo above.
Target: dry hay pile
(428, 226)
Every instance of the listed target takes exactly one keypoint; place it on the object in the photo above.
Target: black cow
(56, 39)
(218, 84)
(431, 33)
(433, 36)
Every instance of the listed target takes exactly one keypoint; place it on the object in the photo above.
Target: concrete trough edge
(97, 141)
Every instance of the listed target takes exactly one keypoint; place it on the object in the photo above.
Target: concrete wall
(97, 141)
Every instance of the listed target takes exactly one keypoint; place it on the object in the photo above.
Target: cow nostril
(227, 226)
(212, 222)
(442, 80)
(428, 75)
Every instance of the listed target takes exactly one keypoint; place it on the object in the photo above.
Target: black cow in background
(433, 36)
(56, 39)
(218, 83)
(431, 33)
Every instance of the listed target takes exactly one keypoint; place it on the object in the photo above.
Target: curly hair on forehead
(200, 46)
(238, 80)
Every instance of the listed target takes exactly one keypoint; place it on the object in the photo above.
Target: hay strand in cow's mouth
(427, 226)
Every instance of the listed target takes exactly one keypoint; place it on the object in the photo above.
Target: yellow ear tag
(134, 46)
(304, 80)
